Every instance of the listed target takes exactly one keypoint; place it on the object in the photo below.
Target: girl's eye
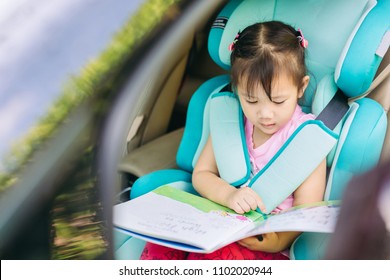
(250, 100)
(278, 102)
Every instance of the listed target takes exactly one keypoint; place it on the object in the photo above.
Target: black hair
(263, 50)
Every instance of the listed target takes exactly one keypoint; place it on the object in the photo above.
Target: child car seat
(345, 49)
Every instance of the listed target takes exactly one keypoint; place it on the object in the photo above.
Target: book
(181, 220)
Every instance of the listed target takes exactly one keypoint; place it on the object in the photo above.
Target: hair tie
(302, 41)
(232, 45)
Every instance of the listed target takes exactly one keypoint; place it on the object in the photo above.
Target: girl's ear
(304, 84)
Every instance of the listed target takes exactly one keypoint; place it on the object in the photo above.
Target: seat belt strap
(335, 110)
(293, 163)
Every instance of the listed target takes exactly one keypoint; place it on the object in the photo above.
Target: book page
(317, 218)
(162, 217)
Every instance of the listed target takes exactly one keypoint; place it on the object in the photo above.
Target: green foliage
(77, 231)
(96, 75)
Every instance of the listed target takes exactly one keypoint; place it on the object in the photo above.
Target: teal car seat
(346, 46)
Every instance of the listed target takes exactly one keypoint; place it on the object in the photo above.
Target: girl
(269, 75)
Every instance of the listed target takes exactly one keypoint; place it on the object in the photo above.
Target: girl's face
(268, 116)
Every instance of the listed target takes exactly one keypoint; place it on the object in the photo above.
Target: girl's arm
(207, 183)
(311, 190)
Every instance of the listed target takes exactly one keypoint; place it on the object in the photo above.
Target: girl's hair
(262, 51)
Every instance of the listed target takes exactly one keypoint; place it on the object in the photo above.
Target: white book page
(311, 219)
(162, 217)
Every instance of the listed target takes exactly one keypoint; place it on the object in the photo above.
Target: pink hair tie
(231, 46)
(302, 41)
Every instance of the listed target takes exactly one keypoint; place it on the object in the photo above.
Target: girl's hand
(243, 200)
(267, 242)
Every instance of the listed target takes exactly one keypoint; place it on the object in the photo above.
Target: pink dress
(259, 157)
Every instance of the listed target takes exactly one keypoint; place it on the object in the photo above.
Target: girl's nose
(264, 112)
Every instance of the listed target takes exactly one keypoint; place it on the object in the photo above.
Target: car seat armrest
(157, 154)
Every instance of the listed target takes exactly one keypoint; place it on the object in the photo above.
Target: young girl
(269, 75)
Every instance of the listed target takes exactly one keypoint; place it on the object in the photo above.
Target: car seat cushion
(360, 60)
(197, 125)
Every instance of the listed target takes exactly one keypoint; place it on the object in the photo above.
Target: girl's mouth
(270, 125)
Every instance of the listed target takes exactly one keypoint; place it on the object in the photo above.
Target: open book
(177, 219)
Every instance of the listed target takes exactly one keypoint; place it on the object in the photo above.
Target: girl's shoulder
(298, 118)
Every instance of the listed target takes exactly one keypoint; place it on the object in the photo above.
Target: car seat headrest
(343, 35)
(364, 50)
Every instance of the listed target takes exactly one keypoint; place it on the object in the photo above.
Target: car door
(71, 79)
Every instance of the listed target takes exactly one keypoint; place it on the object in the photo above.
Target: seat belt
(335, 110)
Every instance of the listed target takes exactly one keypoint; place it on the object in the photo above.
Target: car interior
(158, 128)
(161, 129)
